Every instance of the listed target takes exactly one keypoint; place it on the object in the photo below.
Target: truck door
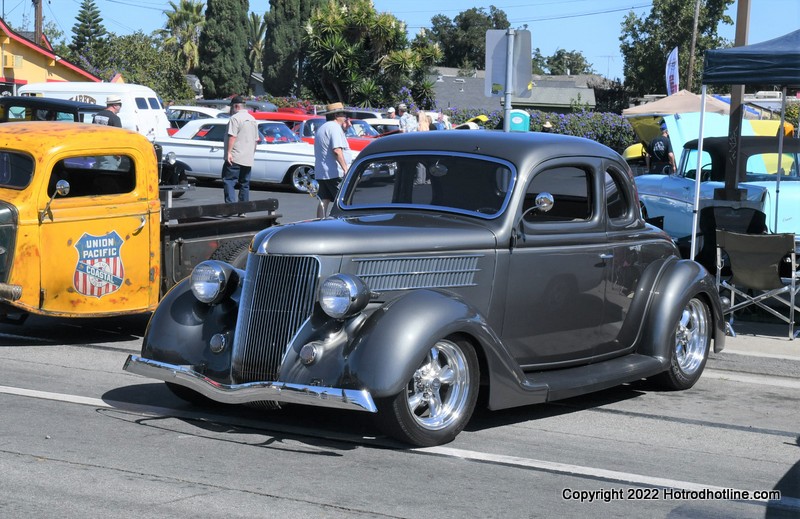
(96, 251)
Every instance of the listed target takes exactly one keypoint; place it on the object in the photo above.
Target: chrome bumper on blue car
(358, 400)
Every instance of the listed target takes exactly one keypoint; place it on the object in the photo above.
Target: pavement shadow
(52, 331)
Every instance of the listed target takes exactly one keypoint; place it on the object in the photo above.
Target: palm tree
(256, 30)
(182, 31)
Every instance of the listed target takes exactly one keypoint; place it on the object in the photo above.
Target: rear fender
(680, 281)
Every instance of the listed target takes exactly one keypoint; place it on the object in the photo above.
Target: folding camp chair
(755, 273)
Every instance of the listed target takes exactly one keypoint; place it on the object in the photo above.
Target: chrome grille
(277, 297)
(418, 272)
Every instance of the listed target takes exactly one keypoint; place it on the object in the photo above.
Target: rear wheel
(233, 252)
(439, 399)
(296, 178)
(692, 340)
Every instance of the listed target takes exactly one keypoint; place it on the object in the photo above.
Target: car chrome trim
(354, 399)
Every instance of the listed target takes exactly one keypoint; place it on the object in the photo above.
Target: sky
(591, 27)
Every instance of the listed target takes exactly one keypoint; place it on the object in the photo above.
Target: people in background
(390, 113)
(331, 153)
(408, 123)
(109, 117)
(240, 150)
(660, 158)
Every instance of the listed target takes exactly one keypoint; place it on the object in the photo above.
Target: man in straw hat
(331, 154)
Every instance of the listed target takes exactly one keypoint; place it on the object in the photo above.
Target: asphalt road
(80, 437)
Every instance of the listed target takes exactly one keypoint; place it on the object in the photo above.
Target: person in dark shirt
(109, 117)
(660, 158)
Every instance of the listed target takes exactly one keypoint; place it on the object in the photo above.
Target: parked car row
(197, 150)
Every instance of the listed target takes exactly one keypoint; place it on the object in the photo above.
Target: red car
(305, 125)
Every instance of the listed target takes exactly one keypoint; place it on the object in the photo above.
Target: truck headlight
(342, 295)
(171, 157)
(211, 280)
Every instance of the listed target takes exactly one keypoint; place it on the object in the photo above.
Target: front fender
(181, 328)
(395, 339)
(680, 281)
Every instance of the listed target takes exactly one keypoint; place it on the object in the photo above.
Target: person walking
(331, 154)
(109, 117)
(240, 150)
(408, 123)
(660, 158)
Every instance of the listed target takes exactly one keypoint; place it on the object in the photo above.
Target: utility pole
(37, 22)
(690, 75)
(733, 169)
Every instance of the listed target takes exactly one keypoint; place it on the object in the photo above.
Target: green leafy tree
(88, 31)
(284, 51)
(463, 39)
(565, 62)
(182, 32)
(223, 68)
(645, 42)
(256, 28)
(538, 62)
(358, 56)
(141, 59)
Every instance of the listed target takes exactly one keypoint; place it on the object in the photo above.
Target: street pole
(694, 43)
(509, 80)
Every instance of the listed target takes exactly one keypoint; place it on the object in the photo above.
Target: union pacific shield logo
(99, 270)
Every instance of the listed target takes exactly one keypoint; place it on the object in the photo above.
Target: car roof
(191, 127)
(65, 136)
(749, 144)
(516, 147)
(48, 102)
(200, 109)
(282, 116)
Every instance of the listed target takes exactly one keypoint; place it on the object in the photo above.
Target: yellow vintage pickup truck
(85, 230)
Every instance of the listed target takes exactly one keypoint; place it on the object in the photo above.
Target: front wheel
(692, 340)
(438, 401)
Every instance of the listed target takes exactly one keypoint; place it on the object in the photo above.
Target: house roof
(25, 42)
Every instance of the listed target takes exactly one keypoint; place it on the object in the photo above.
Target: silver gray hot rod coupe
(512, 263)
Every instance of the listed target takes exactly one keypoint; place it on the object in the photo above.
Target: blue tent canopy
(773, 62)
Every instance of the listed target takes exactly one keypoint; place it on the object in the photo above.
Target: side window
(141, 103)
(691, 165)
(571, 190)
(617, 204)
(94, 175)
(211, 132)
(154, 104)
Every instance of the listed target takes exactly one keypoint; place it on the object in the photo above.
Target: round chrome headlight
(342, 295)
(171, 157)
(209, 281)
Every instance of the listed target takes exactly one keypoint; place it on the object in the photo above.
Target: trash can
(520, 121)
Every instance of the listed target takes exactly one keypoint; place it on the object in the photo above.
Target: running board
(570, 382)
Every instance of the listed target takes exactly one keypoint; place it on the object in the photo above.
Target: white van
(141, 109)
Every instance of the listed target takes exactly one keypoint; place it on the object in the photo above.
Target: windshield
(359, 128)
(758, 166)
(461, 184)
(276, 133)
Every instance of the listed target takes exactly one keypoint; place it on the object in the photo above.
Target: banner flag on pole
(673, 79)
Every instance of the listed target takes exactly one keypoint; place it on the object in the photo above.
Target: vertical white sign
(673, 80)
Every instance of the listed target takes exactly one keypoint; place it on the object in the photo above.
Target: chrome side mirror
(544, 202)
(62, 189)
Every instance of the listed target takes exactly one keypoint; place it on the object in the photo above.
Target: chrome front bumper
(252, 391)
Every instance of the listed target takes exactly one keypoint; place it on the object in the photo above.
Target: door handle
(606, 256)
(214, 149)
(141, 226)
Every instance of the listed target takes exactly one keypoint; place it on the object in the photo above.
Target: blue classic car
(672, 196)
(515, 264)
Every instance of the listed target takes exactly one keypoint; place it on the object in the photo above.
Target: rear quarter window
(16, 169)
(141, 103)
